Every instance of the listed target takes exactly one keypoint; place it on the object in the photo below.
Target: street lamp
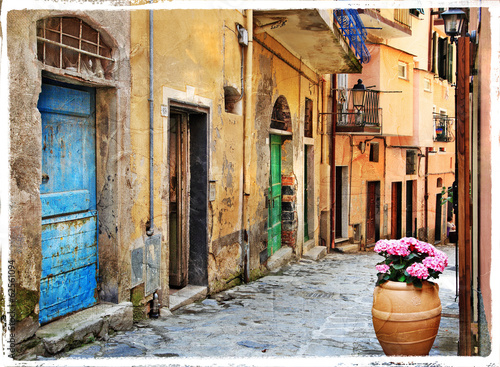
(453, 20)
(358, 95)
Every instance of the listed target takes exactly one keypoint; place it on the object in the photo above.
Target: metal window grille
(443, 128)
(71, 44)
(403, 17)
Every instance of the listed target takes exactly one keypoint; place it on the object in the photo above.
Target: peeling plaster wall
(25, 157)
(274, 77)
(195, 65)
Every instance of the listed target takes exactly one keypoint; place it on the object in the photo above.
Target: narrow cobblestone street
(309, 309)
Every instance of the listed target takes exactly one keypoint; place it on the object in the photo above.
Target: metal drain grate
(317, 294)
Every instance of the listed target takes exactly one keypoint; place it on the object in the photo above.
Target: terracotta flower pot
(406, 319)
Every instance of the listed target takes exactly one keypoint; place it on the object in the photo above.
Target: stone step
(280, 258)
(86, 325)
(188, 294)
(315, 253)
(347, 248)
(308, 245)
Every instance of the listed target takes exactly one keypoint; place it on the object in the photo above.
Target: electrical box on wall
(242, 35)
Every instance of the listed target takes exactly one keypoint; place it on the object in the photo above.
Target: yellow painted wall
(196, 53)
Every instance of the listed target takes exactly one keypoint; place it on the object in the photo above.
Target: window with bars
(71, 44)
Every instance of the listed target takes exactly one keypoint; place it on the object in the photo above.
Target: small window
(427, 84)
(232, 100)
(411, 162)
(442, 150)
(374, 152)
(439, 182)
(416, 12)
(308, 119)
(403, 70)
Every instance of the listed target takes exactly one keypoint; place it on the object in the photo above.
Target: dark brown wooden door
(178, 231)
(370, 213)
(396, 210)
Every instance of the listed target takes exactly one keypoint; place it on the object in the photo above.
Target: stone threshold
(188, 294)
(84, 326)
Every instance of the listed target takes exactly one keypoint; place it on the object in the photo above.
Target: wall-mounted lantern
(453, 20)
(358, 95)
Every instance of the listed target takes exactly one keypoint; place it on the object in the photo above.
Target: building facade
(395, 156)
(143, 163)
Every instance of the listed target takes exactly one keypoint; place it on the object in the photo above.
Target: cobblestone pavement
(309, 309)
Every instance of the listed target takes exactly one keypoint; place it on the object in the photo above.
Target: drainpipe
(150, 230)
(426, 195)
(247, 145)
(332, 162)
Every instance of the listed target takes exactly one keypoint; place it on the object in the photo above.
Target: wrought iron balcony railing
(351, 119)
(352, 27)
(443, 130)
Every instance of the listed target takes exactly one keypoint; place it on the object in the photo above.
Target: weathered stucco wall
(25, 157)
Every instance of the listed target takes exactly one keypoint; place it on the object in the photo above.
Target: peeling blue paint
(68, 197)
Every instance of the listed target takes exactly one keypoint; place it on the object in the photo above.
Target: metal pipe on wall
(150, 230)
(333, 186)
(247, 145)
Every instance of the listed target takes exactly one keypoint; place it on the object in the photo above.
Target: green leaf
(401, 278)
(417, 283)
(398, 266)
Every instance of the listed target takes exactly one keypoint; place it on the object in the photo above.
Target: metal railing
(403, 16)
(443, 130)
(370, 115)
(353, 29)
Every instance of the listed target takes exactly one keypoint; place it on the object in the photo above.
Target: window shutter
(434, 53)
(450, 63)
(442, 51)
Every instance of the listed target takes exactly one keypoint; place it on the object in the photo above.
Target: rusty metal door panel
(68, 198)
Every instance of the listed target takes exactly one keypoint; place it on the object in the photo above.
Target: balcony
(443, 128)
(367, 120)
(387, 23)
(311, 35)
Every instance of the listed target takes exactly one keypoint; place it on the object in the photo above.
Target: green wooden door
(306, 226)
(274, 223)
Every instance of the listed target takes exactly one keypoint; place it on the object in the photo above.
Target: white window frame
(429, 89)
(405, 70)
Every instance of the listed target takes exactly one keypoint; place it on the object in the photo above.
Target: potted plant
(406, 306)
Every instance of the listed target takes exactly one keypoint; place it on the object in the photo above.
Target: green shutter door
(274, 224)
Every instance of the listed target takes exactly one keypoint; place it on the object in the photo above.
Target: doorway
(188, 197)
(437, 222)
(396, 204)
(68, 197)
(409, 209)
(373, 212)
(274, 221)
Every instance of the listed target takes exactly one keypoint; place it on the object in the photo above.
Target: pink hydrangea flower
(438, 262)
(425, 248)
(418, 271)
(381, 246)
(382, 268)
(398, 248)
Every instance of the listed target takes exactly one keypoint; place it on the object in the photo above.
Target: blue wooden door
(68, 196)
